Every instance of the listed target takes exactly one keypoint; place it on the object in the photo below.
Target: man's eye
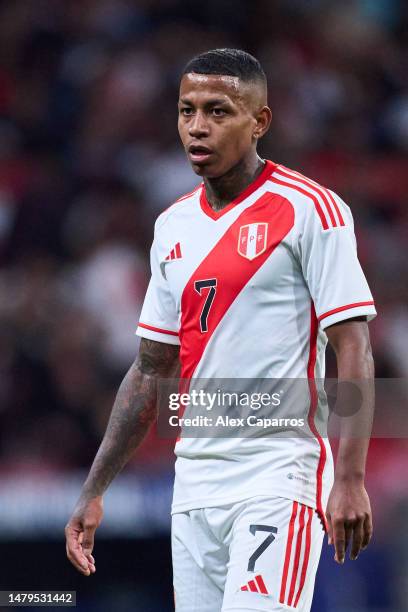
(218, 112)
(186, 111)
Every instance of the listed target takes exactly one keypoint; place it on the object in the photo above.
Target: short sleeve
(332, 270)
(159, 317)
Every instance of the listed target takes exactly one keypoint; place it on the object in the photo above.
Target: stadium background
(89, 155)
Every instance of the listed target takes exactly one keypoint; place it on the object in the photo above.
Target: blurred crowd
(89, 155)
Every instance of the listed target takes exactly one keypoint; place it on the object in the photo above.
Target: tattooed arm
(133, 412)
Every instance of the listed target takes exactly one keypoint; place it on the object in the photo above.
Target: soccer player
(252, 273)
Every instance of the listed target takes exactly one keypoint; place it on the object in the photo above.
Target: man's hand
(80, 532)
(133, 412)
(348, 510)
(349, 518)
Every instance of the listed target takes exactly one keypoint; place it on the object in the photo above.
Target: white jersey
(248, 292)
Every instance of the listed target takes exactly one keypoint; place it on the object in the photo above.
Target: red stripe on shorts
(297, 554)
(288, 552)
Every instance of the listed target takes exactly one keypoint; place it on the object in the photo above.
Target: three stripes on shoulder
(324, 201)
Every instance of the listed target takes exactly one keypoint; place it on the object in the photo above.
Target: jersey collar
(260, 180)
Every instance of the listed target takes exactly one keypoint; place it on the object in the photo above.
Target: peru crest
(252, 240)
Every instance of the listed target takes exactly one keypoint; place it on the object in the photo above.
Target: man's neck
(222, 190)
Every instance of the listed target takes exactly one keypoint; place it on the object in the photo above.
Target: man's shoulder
(310, 197)
(178, 205)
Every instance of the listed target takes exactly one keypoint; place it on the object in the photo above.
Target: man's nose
(198, 126)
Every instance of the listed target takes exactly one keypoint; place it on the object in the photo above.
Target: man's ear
(263, 121)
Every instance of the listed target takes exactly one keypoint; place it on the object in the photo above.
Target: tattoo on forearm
(157, 358)
(132, 414)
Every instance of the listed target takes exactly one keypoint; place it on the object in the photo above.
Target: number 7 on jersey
(211, 284)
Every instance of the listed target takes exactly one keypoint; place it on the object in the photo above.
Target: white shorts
(260, 554)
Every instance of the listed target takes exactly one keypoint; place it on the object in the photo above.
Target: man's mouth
(199, 153)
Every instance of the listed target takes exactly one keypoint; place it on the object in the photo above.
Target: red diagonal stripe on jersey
(252, 586)
(178, 251)
(288, 552)
(244, 588)
(232, 272)
(312, 187)
(297, 554)
(172, 254)
(314, 399)
(306, 555)
(259, 581)
(306, 193)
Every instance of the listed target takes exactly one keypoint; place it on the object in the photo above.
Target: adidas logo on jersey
(256, 586)
(175, 253)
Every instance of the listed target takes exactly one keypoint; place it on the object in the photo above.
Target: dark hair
(231, 62)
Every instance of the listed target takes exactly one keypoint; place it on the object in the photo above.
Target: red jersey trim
(330, 196)
(314, 187)
(158, 329)
(308, 194)
(312, 412)
(318, 188)
(183, 197)
(346, 307)
(262, 178)
(187, 195)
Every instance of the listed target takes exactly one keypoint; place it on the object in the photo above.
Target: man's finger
(78, 560)
(88, 539)
(367, 531)
(348, 530)
(91, 563)
(339, 538)
(357, 539)
(329, 529)
(74, 550)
